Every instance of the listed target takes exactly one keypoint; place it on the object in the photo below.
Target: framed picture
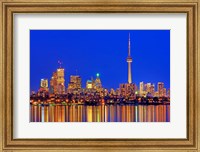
(84, 75)
(71, 97)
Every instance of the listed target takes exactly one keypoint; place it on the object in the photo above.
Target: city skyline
(75, 84)
(123, 75)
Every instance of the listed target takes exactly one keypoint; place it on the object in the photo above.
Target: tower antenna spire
(60, 64)
(129, 44)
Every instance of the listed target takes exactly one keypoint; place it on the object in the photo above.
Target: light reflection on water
(102, 113)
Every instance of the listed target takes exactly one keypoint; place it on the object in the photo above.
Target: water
(102, 113)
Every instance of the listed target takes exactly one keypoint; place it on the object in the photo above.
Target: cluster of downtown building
(94, 89)
(94, 86)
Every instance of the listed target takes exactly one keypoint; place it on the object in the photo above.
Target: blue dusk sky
(87, 52)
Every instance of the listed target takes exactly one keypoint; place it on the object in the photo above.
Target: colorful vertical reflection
(102, 113)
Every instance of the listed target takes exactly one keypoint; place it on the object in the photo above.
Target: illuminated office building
(152, 89)
(53, 83)
(156, 94)
(168, 93)
(44, 90)
(75, 82)
(57, 83)
(122, 89)
(160, 88)
(44, 84)
(148, 87)
(127, 89)
(98, 85)
(112, 91)
(89, 84)
(117, 92)
(164, 92)
(60, 81)
(141, 88)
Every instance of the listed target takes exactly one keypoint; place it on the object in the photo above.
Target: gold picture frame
(9, 7)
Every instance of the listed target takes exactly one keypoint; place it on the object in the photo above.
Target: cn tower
(129, 60)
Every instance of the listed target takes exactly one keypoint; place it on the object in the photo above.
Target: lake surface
(101, 113)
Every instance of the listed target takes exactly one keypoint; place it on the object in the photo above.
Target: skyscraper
(164, 92)
(60, 81)
(141, 88)
(57, 83)
(53, 83)
(148, 87)
(98, 85)
(129, 60)
(44, 84)
(75, 82)
(127, 89)
(168, 93)
(160, 88)
(89, 84)
(152, 89)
